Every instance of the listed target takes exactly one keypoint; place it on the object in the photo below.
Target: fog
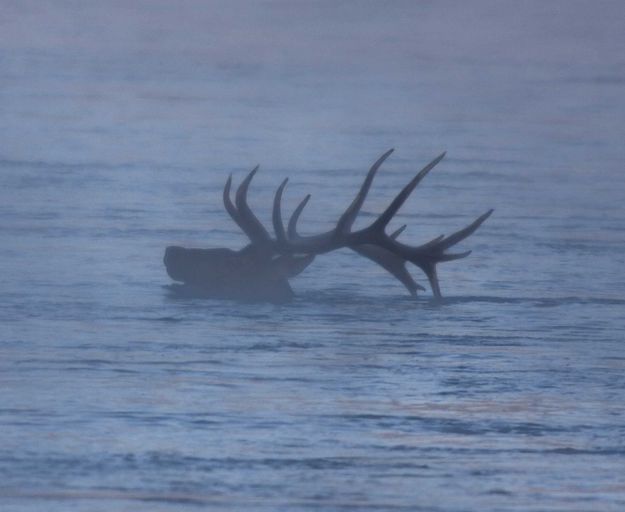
(121, 122)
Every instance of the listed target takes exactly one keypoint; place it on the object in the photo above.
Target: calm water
(119, 127)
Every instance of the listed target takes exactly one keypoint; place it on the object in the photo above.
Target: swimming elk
(261, 270)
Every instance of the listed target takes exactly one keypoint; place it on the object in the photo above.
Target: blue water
(120, 124)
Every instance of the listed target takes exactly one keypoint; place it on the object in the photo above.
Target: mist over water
(120, 124)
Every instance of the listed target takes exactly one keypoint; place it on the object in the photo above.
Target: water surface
(120, 125)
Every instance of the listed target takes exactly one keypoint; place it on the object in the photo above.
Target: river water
(121, 122)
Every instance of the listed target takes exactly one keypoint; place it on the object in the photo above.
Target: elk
(262, 269)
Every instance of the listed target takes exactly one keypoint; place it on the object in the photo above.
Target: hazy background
(119, 123)
(317, 78)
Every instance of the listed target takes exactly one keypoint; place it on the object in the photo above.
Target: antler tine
(411, 282)
(276, 217)
(253, 227)
(397, 232)
(432, 242)
(460, 235)
(453, 257)
(234, 213)
(292, 227)
(399, 200)
(230, 208)
(349, 216)
(430, 272)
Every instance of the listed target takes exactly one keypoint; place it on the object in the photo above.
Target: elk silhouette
(262, 269)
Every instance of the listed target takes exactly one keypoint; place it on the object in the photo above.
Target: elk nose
(170, 254)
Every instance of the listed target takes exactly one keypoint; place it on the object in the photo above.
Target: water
(120, 126)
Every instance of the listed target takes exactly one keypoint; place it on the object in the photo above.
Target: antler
(392, 263)
(372, 241)
(242, 214)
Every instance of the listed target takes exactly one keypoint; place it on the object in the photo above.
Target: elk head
(248, 274)
(261, 270)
